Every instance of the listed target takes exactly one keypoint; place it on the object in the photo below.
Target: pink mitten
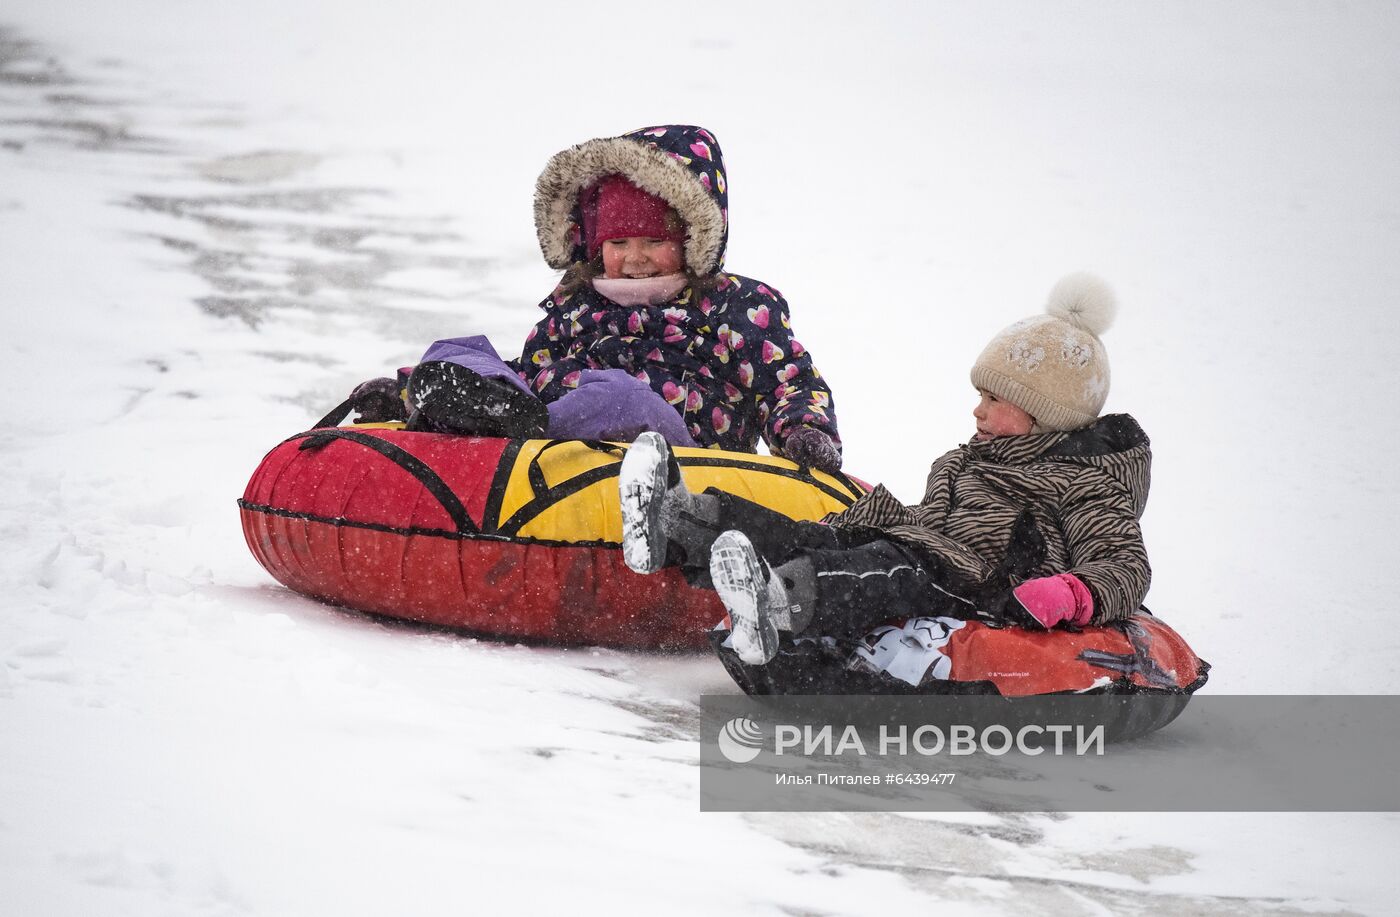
(1055, 599)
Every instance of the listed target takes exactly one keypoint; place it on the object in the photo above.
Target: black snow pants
(861, 579)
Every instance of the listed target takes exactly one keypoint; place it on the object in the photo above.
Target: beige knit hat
(1053, 366)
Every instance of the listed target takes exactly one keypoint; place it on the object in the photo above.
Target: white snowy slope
(215, 219)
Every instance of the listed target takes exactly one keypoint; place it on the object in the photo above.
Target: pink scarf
(641, 291)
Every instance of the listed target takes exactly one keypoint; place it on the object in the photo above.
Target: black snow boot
(448, 398)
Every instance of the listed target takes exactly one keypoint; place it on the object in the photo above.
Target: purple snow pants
(608, 404)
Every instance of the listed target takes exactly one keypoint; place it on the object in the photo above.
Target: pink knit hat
(615, 208)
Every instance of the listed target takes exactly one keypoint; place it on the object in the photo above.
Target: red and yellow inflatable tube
(510, 538)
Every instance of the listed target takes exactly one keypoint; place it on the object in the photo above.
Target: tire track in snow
(266, 237)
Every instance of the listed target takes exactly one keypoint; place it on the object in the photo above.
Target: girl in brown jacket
(1034, 522)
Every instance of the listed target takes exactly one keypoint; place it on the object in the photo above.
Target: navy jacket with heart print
(724, 355)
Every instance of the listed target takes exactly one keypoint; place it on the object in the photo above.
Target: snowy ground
(215, 219)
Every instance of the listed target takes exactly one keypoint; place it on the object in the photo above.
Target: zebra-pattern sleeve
(1105, 545)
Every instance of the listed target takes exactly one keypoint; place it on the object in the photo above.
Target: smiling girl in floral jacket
(645, 331)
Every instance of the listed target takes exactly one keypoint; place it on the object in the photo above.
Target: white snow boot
(653, 496)
(756, 598)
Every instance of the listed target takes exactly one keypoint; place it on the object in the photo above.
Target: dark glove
(1001, 609)
(378, 401)
(812, 448)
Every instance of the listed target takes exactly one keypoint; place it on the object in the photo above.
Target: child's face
(996, 417)
(636, 256)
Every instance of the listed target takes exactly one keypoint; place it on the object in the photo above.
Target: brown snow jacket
(1086, 490)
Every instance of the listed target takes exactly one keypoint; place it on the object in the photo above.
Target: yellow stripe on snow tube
(566, 490)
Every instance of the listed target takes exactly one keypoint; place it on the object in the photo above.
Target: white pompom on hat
(1053, 366)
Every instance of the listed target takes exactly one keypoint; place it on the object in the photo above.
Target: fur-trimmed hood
(680, 163)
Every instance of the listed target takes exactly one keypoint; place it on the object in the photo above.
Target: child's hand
(1052, 600)
(378, 401)
(811, 447)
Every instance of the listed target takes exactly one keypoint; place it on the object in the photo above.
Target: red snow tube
(1144, 669)
(510, 538)
(936, 655)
